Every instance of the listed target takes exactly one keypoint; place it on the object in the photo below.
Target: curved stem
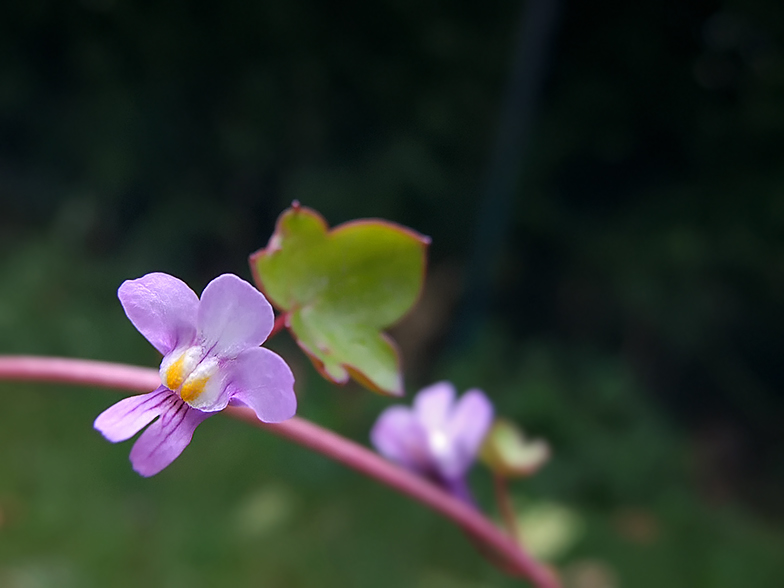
(307, 434)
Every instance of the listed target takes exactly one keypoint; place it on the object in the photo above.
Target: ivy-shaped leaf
(341, 288)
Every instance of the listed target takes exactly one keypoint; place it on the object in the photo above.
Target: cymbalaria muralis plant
(438, 438)
(336, 291)
(211, 358)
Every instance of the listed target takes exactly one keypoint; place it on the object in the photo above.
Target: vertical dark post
(536, 31)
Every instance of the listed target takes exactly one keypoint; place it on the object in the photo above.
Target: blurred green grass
(242, 508)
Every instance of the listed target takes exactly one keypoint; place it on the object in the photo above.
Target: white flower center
(187, 373)
(439, 442)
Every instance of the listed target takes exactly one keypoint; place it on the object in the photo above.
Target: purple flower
(211, 358)
(437, 438)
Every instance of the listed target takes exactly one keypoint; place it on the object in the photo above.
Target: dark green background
(632, 308)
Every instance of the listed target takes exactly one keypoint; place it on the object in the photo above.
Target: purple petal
(261, 380)
(162, 308)
(126, 418)
(164, 440)
(432, 405)
(398, 435)
(459, 488)
(233, 316)
(469, 423)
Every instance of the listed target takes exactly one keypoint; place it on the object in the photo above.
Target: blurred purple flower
(211, 358)
(438, 437)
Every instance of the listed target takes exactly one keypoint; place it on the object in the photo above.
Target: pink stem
(305, 433)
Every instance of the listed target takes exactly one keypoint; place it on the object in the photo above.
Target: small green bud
(508, 453)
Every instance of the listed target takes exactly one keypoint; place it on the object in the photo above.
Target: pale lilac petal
(162, 308)
(260, 379)
(233, 315)
(398, 435)
(126, 418)
(468, 424)
(432, 404)
(164, 440)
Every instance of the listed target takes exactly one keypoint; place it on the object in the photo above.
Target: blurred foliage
(636, 321)
(246, 508)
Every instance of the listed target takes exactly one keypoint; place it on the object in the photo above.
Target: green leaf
(340, 288)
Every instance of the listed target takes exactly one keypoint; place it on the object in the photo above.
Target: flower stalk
(505, 506)
(309, 435)
(279, 325)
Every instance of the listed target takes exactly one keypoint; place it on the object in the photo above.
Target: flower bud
(508, 453)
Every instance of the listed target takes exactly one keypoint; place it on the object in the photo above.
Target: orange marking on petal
(175, 375)
(193, 388)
